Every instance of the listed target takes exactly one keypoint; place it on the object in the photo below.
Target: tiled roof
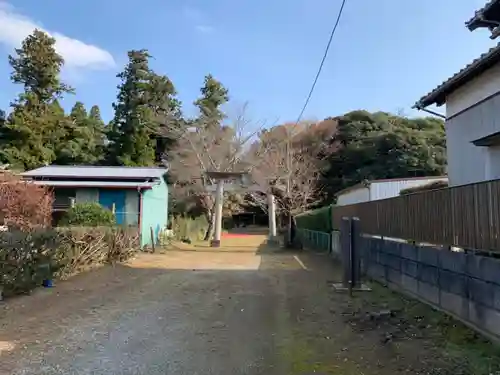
(476, 67)
(119, 173)
(481, 11)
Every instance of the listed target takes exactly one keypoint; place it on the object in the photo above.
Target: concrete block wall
(465, 285)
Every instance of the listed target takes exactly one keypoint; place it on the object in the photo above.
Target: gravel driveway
(195, 313)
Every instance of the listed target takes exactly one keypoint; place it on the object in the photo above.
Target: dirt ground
(243, 309)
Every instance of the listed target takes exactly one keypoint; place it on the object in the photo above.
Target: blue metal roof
(75, 171)
(103, 184)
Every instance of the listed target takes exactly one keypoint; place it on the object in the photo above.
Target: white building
(472, 109)
(381, 189)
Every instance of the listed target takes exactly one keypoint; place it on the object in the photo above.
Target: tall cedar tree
(82, 137)
(2, 131)
(97, 125)
(2, 124)
(144, 98)
(165, 106)
(213, 96)
(32, 130)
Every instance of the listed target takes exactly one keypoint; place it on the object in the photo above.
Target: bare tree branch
(208, 144)
(270, 167)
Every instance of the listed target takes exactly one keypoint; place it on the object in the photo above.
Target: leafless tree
(286, 155)
(204, 145)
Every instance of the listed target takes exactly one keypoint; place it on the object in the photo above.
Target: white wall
(474, 91)
(468, 163)
(390, 189)
(357, 195)
(382, 190)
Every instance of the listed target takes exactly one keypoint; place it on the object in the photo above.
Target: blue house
(137, 196)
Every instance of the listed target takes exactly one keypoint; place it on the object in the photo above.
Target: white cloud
(196, 17)
(204, 29)
(15, 27)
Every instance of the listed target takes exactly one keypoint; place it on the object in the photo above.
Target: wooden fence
(465, 216)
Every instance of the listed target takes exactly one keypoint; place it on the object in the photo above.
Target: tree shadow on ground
(249, 230)
(64, 318)
(270, 311)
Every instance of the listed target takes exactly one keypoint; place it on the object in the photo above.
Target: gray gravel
(173, 322)
(238, 313)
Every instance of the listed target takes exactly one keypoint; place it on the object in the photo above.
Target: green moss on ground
(466, 351)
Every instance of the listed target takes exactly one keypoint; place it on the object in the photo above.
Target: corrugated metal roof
(108, 184)
(96, 172)
(479, 65)
(367, 183)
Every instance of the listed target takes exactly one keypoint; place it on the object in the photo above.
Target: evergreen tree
(69, 148)
(370, 146)
(2, 124)
(81, 139)
(144, 101)
(212, 141)
(3, 135)
(213, 96)
(97, 125)
(31, 132)
(167, 114)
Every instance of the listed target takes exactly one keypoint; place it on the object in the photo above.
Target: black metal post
(350, 252)
(345, 253)
(355, 253)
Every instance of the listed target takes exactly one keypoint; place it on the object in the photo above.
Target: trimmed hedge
(28, 258)
(319, 220)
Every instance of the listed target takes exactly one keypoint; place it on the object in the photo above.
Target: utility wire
(288, 156)
(341, 10)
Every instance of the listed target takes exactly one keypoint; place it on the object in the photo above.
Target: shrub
(84, 247)
(189, 228)
(27, 258)
(88, 215)
(319, 220)
(24, 205)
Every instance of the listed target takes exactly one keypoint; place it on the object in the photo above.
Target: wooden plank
(465, 216)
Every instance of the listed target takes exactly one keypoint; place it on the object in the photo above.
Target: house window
(62, 199)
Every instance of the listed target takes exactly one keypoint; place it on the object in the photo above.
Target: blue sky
(385, 55)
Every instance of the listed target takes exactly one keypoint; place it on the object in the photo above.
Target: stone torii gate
(236, 182)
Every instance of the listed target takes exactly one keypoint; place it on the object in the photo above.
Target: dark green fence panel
(314, 240)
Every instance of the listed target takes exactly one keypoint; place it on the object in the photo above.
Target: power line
(288, 156)
(341, 10)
